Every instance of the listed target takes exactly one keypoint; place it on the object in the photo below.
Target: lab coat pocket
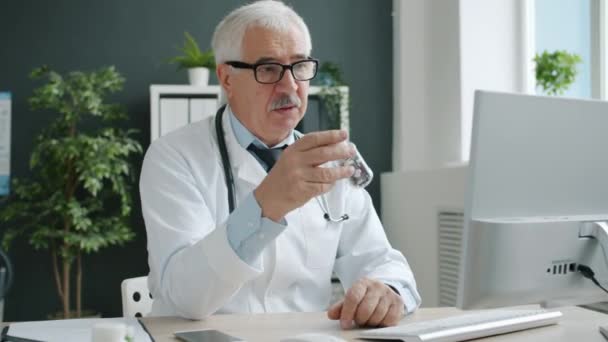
(321, 237)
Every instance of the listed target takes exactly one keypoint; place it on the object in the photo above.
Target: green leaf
(330, 79)
(556, 71)
(192, 56)
(77, 197)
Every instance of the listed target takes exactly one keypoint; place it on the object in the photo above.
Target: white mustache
(285, 101)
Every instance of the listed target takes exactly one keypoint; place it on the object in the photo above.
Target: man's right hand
(297, 176)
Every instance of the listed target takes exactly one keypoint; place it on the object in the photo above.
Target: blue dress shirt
(248, 232)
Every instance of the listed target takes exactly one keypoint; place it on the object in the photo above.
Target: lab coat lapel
(245, 167)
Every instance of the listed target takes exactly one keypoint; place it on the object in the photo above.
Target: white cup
(109, 332)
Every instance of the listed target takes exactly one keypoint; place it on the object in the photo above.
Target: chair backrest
(136, 298)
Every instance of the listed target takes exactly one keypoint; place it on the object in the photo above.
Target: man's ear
(224, 77)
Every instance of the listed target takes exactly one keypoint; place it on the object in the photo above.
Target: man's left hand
(369, 303)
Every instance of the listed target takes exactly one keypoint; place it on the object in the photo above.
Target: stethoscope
(219, 131)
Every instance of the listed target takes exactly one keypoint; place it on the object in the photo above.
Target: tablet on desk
(205, 336)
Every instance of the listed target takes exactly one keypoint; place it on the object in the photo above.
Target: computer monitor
(538, 172)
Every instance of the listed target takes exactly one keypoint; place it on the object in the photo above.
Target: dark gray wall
(137, 36)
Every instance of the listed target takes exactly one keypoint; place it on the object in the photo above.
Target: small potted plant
(556, 71)
(330, 80)
(197, 62)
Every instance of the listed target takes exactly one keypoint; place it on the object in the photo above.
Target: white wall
(443, 51)
(407, 214)
(426, 100)
(491, 50)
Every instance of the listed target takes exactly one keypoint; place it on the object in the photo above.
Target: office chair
(136, 298)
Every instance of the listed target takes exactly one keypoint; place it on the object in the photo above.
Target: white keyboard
(467, 326)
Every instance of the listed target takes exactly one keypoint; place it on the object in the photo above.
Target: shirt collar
(246, 138)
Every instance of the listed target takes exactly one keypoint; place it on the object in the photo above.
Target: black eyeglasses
(268, 73)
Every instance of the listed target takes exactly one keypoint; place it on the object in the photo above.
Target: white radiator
(450, 226)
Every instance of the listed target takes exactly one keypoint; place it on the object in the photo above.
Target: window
(577, 27)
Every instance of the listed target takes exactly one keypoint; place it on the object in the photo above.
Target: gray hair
(275, 15)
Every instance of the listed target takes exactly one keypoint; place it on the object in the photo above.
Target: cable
(588, 273)
(597, 230)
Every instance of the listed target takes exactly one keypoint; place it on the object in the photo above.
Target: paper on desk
(71, 330)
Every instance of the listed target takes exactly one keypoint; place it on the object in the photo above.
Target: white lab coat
(194, 272)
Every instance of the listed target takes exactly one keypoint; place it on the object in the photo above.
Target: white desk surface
(577, 324)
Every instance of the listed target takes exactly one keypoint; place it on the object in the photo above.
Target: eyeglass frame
(243, 65)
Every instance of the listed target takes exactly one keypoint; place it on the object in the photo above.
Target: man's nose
(287, 83)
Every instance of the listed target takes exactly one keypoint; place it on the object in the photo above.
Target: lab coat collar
(245, 137)
(244, 165)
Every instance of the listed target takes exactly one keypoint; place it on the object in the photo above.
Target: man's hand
(296, 177)
(369, 303)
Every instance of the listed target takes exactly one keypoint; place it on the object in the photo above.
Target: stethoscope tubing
(229, 177)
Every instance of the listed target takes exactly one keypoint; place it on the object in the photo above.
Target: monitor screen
(538, 172)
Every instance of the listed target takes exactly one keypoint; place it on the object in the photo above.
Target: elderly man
(234, 227)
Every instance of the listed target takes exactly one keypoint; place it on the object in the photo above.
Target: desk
(577, 324)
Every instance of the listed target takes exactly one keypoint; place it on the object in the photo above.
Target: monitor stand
(598, 306)
(574, 301)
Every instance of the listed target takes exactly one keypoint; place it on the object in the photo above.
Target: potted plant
(332, 99)
(197, 62)
(556, 71)
(77, 200)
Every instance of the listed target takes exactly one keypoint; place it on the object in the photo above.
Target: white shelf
(176, 105)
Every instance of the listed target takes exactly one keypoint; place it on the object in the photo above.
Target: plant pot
(198, 76)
